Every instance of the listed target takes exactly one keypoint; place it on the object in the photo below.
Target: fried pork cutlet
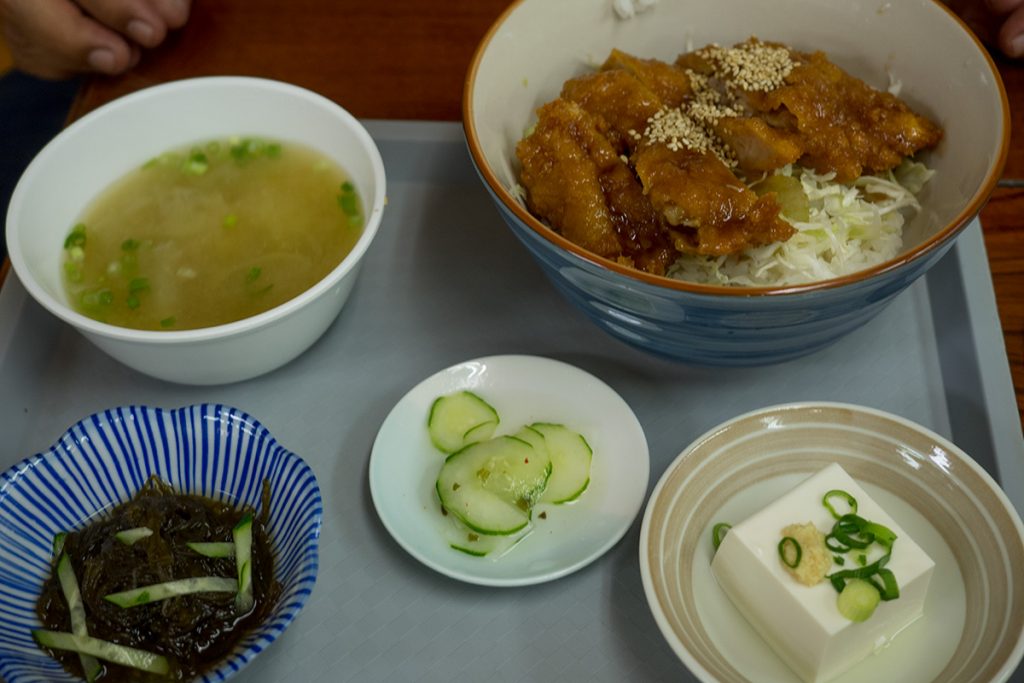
(757, 146)
(667, 81)
(635, 162)
(844, 125)
(576, 180)
(710, 210)
(619, 99)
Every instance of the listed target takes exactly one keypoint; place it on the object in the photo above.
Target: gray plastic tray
(446, 282)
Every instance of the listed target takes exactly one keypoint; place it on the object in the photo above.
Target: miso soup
(210, 234)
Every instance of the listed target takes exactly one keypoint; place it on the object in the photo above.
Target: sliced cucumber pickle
(460, 537)
(459, 419)
(491, 485)
(789, 193)
(488, 486)
(570, 463)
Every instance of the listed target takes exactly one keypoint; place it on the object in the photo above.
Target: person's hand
(997, 22)
(59, 38)
(1010, 37)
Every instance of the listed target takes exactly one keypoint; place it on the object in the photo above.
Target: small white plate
(523, 389)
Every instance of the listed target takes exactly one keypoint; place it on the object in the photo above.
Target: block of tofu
(802, 624)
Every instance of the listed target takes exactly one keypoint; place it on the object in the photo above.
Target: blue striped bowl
(210, 450)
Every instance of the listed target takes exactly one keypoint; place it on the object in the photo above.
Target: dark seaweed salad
(193, 632)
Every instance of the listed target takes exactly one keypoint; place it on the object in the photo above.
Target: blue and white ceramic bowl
(944, 72)
(210, 450)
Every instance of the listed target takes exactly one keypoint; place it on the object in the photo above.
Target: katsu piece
(643, 161)
(710, 210)
(667, 81)
(626, 93)
(619, 99)
(845, 125)
(563, 160)
(577, 181)
(720, 77)
(805, 101)
(757, 146)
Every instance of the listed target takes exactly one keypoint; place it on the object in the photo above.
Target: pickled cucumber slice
(460, 537)
(459, 419)
(570, 456)
(789, 192)
(491, 485)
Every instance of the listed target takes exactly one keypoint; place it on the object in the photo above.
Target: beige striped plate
(973, 628)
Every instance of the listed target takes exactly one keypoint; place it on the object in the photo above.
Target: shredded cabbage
(851, 227)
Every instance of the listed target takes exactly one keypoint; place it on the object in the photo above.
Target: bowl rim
(658, 612)
(283, 310)
(933, 243)
(283, 614)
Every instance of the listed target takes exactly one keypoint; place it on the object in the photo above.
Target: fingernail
(1017, 46)
(101, 59)
(140, 31)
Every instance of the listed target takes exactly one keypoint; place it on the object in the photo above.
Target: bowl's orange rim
(972, 208)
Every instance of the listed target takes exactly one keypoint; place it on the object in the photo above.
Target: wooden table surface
(406, 59)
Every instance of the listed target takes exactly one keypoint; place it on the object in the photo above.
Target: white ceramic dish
(523, 389)
(973, 627)
(105, 144)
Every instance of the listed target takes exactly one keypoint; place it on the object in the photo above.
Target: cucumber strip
(216, 549)
(103, 649)
(242, 534)
(490, 485)
(172, 589)
(131, 536)
(73, 595)
(458, 419)
(58, 543)
(570, 463)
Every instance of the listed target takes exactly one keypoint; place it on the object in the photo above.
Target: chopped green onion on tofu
(858, 600)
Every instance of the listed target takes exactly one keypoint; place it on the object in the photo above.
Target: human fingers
(54, 39)
(1011, 34)
(144, 21)
(1001, 7)
(978, 17)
